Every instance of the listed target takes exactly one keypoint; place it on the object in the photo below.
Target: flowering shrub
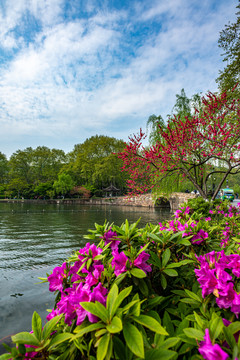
(165, 291)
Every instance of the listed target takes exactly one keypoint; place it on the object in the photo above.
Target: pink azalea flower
(226, 296)
(119, 262)
(94, 274)
(111, 237)
(210, 351)
(141, 262)
(89, 251)
(236, 305)
(52, 314)
(199, 237)
(57, 277)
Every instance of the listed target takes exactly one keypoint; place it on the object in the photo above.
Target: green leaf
(155, 237)
(150, 323)
(119, 348)
(199, 320)
(96, 309)
(187, 339)
(58, 339)
(234, 327)
(178, 234)
(229, 337)
(98, 257)
(115, 326)
(37, 325)
(134, 339)
(184, 242)
(5, 357)
(190, 301)
(165, 257)
(142, 249)
(50, 326)
(25, 338)
(216, 326)
(160, 354)
(194, 333)
(163, 281)
(155, 260)
(111, 298)
(103, 347)
(80, 330)
(138, 273)
(120, 278)
(129, 305)
(170, 272)
(122, 295)
(143, 287)
(168, 323)
(193, 295)
(178, 264)
(170, 342)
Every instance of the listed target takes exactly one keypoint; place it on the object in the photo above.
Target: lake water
(34, 238)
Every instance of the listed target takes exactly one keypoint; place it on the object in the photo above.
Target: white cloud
(86, 76)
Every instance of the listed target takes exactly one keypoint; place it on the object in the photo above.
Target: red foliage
(188, 144)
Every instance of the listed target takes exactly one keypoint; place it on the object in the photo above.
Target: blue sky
(71, 69)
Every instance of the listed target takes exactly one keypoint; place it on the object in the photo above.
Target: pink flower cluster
(229, 212)
(84, 287)
(226, 235)
(176, 225)
(120, 260)
(182, 212)
(217, 275)
(82, 281)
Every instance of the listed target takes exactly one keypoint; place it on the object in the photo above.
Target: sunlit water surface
(34, 238)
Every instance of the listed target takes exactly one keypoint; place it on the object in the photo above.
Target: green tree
(64, 184)
(35, 166)
(47, 163)
(153, 124)
(182, 107)
(3, 168)
(94, 162)
(20, 165)
(229, 41)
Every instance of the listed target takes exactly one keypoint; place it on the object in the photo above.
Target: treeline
(47, 173)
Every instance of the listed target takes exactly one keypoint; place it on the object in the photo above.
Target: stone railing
(145, 200)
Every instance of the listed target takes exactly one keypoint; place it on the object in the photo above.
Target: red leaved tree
(195, 147)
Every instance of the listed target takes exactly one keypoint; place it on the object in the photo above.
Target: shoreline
(146, 200)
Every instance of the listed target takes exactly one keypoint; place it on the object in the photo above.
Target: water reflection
(36, 237)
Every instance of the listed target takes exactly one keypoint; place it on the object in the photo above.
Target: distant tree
(17, 188)
(229, 41)
(3, 168)
(153, 123)
(182, 107)
(43, 189)
(94, 162)
(191, 149)
(20, 165)
(47, 163)
(64, 184)
(35, 166)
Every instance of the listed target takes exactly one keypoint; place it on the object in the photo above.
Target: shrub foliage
(165, 291)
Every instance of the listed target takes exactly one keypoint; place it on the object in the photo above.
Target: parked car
(227, 194)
